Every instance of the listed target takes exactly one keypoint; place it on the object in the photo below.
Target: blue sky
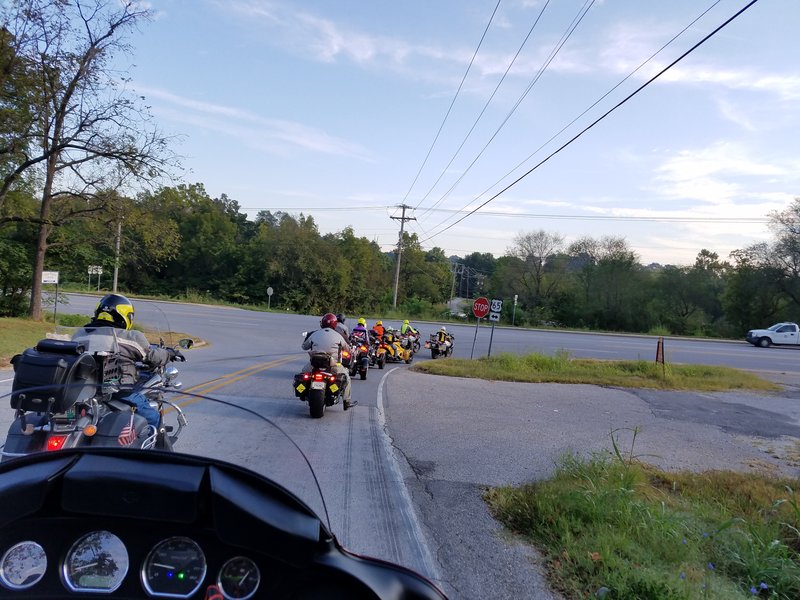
(299, 106)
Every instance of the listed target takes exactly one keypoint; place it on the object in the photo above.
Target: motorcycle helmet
(405, 322)
(116, 309)
(443, 329)
(362, 321)
(378, 323)
(328, 320)
(340, 317)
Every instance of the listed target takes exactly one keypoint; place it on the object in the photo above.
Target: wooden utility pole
(402, 220)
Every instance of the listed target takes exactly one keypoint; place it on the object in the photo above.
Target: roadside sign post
(95, 270)
(480, 308)
(52, 277)
(494, 317)
(270, 291)
(514, 312)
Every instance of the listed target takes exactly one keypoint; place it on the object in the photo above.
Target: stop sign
(480, 308)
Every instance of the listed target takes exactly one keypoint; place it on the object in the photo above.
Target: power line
(602, 117)
(485, 106)
(595, 103)
(460, 85)
(553, 53)
(664, 219)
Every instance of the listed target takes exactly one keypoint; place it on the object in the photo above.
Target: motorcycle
(378, 354)
(125, 523)
(67, 395)
(360, 361)
(438, 348)
(320, 387)
(411, 340)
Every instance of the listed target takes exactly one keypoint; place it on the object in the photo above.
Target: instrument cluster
(99, 562)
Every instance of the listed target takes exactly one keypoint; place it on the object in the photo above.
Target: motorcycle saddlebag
(60, 378)
(322, 360)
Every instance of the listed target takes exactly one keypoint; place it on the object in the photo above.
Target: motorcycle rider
(111, 330)
(360, 331)
(444, 338)
(329, 340)
(341, 327)
(407, 328)
(378, 329)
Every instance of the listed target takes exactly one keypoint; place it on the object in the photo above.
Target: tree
(611, 277)
(535, 249)
(85, 132)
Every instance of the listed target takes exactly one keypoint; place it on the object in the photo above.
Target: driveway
(456, 437)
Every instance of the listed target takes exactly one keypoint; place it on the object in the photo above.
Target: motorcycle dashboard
(128, 524)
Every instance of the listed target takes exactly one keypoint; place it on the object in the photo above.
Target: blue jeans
(143, 407)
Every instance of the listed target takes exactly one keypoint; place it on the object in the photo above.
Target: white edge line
(408, 509)
(6, 380)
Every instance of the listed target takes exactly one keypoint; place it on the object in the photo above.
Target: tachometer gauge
(175, 568)
(98, 562)
(23, 566)
(238, 578)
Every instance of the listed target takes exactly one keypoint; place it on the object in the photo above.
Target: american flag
(127, 435)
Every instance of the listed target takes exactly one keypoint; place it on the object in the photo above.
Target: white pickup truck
(780, 333)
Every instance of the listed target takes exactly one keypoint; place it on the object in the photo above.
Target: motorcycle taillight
(306, 376)
(56, 442)
(332, 378)
(318, 377)
(363, 348)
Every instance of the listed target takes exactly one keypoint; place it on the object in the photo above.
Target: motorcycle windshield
(251, 441)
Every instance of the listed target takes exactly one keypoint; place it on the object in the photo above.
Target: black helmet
(116, 309)
(340, 317)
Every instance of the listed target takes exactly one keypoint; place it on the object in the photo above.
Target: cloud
(713, 175)
(272, 135)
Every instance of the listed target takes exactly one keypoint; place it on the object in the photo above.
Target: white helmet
(443, 329)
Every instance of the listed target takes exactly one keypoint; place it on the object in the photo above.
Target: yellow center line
(220, 382)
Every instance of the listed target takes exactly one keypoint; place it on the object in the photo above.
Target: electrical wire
(460, 85)
(601, 118)
(553, 53)
(485, 106)
(590, 107)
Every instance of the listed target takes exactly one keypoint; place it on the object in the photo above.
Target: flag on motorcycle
(128, 434)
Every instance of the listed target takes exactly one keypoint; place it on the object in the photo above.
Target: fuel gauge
(238, 578)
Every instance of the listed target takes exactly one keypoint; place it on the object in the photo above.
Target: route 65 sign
(496, 307)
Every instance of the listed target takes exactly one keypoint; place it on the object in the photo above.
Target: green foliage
(612, 523)
(562, 368)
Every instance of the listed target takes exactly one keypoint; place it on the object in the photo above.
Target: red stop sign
(480, 308)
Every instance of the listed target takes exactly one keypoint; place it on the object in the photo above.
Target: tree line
(85, 179)
(180, 241)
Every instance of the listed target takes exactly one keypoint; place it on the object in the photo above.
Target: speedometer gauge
(175, 568)
(23, 565)
(98, 562)
(238, 578)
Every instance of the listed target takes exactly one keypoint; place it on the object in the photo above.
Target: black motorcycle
(360, 358)
(320, 387)
(124, 523)
(66, 397)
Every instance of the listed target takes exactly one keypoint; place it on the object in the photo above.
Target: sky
(346, 110)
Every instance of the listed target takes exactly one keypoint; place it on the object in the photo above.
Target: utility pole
(116, 254)
(402, 220)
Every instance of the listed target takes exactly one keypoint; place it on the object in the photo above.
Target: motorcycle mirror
(186, 343)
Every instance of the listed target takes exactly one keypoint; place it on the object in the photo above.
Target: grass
(610, 526)
(561, 368)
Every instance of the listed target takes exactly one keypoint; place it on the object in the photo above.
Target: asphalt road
(403, 472)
